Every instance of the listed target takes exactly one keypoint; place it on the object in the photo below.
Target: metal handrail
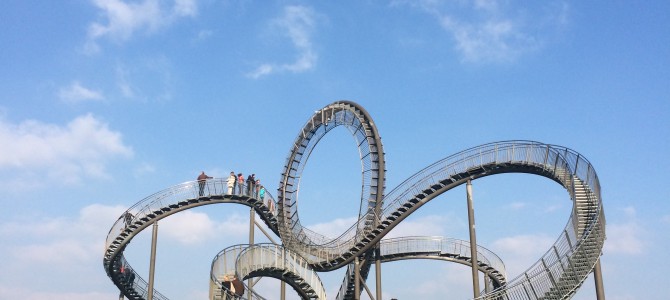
(244, 259)
(163, 199)
(573, 254)
(559, 163)
(174, 194)
(441, 245)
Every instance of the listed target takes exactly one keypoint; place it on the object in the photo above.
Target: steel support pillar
(378, 273)
(473, 240)
(598, 277)
(152, 261)
(283, 291)
(357, 280)
(252, 227)
(120, 295)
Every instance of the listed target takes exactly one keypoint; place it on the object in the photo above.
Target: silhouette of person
(202, 178)
(240, 183)
(231, 183)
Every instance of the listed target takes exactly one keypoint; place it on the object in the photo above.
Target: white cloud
(143, 169)
(186, 8)
(203, 35)
(123, 82)
(191, 228)
(132, 84)
(521, 251)
(333, 228)
(77, 93)
(517, 205)
(626, 238)
(490, 41)
(298, 23)
(123, 19)
(59, 241)
(432, 225)
(425, 226)
(489, 31)
(13, 292)
(63, 252)
(82, 148)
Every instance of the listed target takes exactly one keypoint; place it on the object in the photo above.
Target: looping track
(556, 275)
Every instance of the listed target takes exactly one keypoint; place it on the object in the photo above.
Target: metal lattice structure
(558, 274)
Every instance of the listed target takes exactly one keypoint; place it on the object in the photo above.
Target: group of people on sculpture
(231, 287)
(127, 275)
(236, 186)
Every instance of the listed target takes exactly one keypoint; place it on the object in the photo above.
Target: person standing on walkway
(257, 187)
(202, 178)
(231, 183)
(250, 184)
(240, 184)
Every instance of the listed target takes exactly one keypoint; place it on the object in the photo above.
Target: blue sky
(104, 102)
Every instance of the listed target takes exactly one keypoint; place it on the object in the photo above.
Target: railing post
(531, 285)
(152, 261)
(551, 276)
(473, 241)
(546, 158)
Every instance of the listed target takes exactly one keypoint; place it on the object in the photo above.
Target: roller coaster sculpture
(558, 274)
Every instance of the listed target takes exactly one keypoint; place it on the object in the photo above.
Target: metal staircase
(431, 247)
(556, 275)
(269, 260)
(163, 204)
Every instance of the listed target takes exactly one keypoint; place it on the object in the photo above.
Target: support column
(598, 276)
(473, 241)
(120, 295)
(357, 280)
(252, 224)
(283, 290)
(152, 261)
(378, 272)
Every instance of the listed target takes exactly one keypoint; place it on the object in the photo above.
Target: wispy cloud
(333, 228)
(13, 292)
(132, 79)
(75, 93)
(628, 238)
(190, 228)
(123, 18)
(432, 225)
(490, 31)
(298, 24)
(82, 148)
(60, 241)
(123, 82)
(519, 252)
(517, 205)
(67, 246)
